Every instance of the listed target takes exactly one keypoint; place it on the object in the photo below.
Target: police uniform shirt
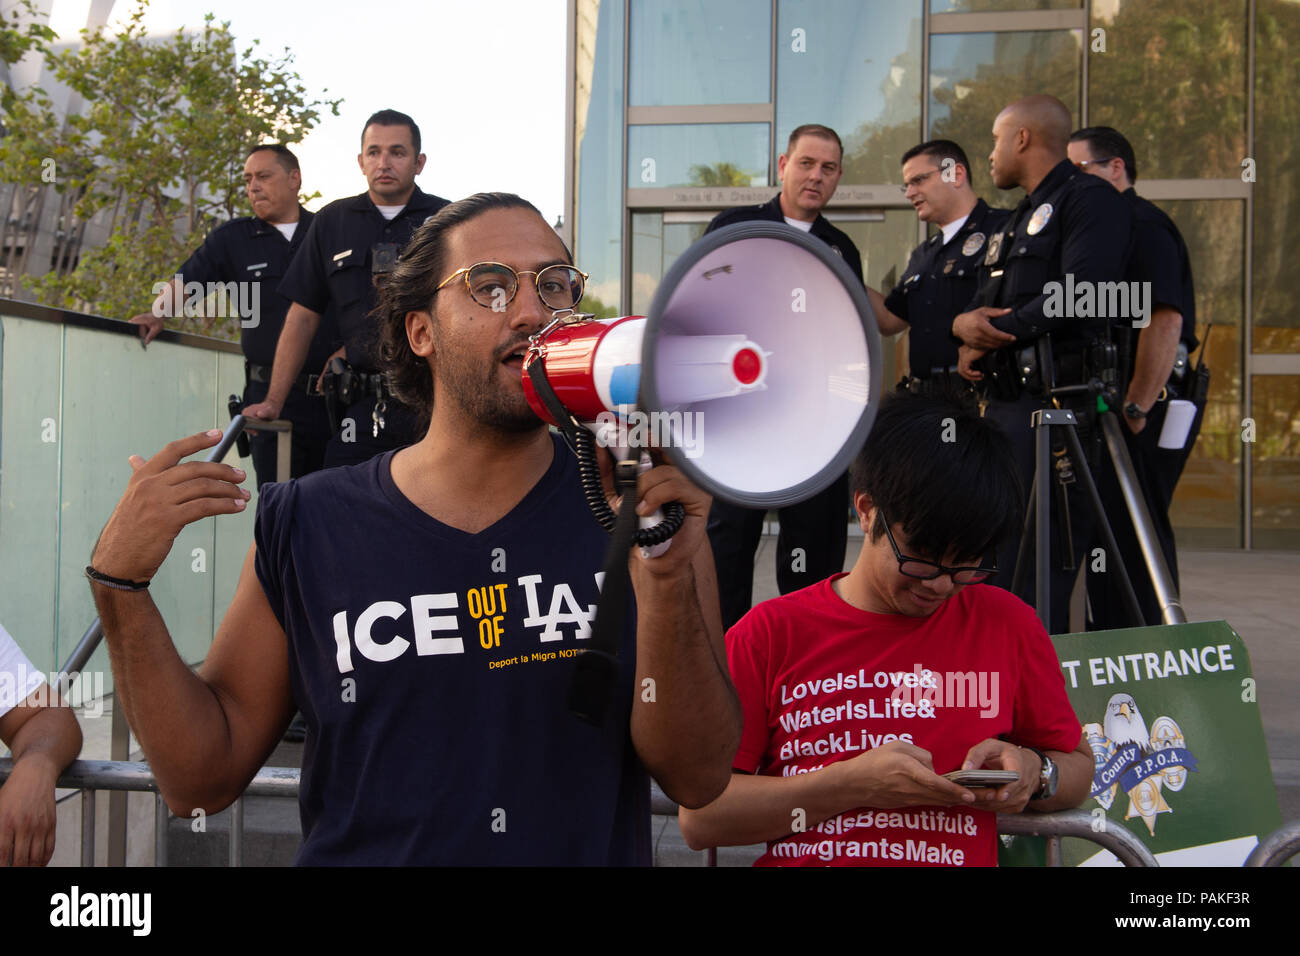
(253, 251)
(939, 280)
(334, 267)
(1160, 257)
(771, 211)
(1072, 224)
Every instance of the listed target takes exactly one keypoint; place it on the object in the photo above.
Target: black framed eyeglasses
(493, 284)
(928, 570)
(1085, 163)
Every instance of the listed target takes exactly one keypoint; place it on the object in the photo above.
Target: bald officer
(1069, 224)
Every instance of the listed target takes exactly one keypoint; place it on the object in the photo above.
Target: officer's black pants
(818, 528)
(311, 432)
(1157, 471)
(1014, 418)
(356, 441)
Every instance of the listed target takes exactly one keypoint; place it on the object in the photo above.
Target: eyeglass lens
(493, 285)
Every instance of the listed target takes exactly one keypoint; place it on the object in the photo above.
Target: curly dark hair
(410, 288)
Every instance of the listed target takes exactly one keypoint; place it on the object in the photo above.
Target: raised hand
(162, 497)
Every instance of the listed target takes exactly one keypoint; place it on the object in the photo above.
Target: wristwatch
(1048, 779)
(1134, 410)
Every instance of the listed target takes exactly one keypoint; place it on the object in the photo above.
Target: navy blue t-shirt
(432, 667)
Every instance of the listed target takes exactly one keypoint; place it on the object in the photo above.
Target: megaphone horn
(758, 331)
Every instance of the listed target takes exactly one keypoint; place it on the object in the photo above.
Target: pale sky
(484, 80)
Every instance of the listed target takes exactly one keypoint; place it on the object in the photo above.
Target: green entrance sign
(1172, 718)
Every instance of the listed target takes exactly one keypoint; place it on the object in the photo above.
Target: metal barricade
(126, 776)
(91, 775)
(1064, 823)
(1276, 848)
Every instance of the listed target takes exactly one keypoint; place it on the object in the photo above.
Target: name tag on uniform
(260, 265)
(342, 255)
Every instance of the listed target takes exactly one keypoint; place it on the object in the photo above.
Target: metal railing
(89, 776)
(1064, 823)
(1127, 848)
(1276, 848)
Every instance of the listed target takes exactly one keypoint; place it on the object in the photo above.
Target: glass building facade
(680, 108)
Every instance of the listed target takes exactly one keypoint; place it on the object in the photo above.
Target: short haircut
(393, 118)
(943, 473)
(1106, 142)
(813, 129)
(411, 285)
(282, 155)
(939, 150)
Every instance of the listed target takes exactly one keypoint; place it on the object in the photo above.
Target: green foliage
(158, 145)
(719, 174)
(597, 308)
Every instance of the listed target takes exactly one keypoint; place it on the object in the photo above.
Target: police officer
(817, 528)
(1068, 224)
(351, 243)
(942, 273)
(1158, 370)
(254, 253)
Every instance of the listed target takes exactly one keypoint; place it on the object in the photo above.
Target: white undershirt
(287, 229)
(799, 224)
(26, 678)
(953, 228)
(390, 211)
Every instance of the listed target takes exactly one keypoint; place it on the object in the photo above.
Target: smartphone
(982, 778)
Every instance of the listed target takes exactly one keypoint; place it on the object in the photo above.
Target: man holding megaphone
(814, 533)
(426, 609)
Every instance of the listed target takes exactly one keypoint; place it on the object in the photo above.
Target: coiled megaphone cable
(596, 671)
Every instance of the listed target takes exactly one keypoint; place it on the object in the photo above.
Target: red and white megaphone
(757, 368)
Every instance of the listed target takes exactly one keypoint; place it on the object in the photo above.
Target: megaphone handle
(593, 489)
(652, 520)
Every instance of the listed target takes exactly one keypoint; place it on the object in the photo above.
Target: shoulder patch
(1041, 217)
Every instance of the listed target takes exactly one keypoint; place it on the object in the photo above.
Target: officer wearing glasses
(942, 272)
(1157, 371)
(351, 243)
(861, 692)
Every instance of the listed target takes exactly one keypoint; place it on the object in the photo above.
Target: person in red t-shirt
(861, 691)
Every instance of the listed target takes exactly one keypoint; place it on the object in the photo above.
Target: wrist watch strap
(1048, 779)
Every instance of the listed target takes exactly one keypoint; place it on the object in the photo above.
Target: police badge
(972, 244)
(995, 247)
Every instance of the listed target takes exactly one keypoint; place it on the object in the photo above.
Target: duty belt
(939, 381)
(370, 383)
(262, 374)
